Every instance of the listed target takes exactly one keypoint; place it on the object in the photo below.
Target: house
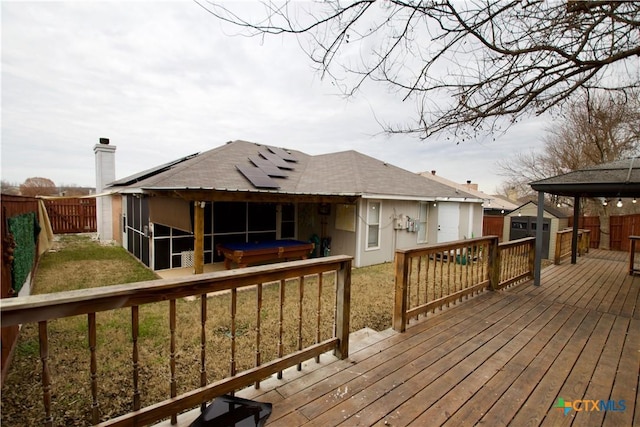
(494, 207)
(346, 203)
(522, 223)
(492, 204)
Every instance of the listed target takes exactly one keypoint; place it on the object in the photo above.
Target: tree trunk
(605, 229)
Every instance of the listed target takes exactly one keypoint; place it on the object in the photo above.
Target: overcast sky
(163, 80)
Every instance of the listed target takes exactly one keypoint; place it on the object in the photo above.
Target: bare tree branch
(596, 129)
(467, 65)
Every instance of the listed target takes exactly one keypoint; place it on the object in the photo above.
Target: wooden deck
(501, 358)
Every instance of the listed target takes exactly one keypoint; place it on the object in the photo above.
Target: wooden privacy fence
(334, 273)
(11, 206)
(435, 276)
(493, 225)
(591, 223)
(621, 227)
(77, 215)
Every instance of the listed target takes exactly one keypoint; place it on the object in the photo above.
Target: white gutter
(423, 199)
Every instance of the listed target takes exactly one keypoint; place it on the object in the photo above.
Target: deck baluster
(426, 279)
(93, 368)
(300, 309)
(435, 278)
(46, 375)
(458, 268)
(418, 268)
(135, 326)
(318, 313)
(234, 303)
(258, 332)
(172, 354)
(451, 283)
(281, 323)
(442, 271)
(203, 345)
(409, 274)
(467, 267)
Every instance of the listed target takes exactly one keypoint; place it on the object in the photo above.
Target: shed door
(525, 226)
(448, 222)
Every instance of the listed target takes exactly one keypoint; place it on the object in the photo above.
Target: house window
(287, 221)
(422, 221)
(373, 225)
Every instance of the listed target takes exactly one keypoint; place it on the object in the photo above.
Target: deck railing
(515, 261)
(436, 276)
(333, 272)
(563, 244)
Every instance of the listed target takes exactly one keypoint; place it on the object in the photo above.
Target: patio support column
(198, 231)
(574, 236)
(539, 221)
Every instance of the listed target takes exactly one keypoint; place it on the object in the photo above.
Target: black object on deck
(233, 411)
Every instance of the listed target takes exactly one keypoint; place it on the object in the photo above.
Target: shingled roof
(347, 173)
(615, 179)
(492, 202)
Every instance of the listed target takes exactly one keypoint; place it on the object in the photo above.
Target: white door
(448, 222)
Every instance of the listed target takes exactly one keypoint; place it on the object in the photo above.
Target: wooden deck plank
(611, 272)
(329, 387)
(626, 381)
(604, 374)
(491, 392)
(545, 395)
(635, 325)
(457, 364)
(621, 296)
(500, 358)
(631, 305)
(396, 370)
(552, 276)
(580, 284)
(518, 391)
(440, 411)
(608, 287)
(576, 384)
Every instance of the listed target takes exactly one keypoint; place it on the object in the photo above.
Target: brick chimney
(471, 186)
(105, 173)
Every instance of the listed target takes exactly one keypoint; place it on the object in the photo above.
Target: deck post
(539, 225)
(400, 305)
(574, 237)
(531, 262)
(198, 231)
(343, 308)
(494, 264)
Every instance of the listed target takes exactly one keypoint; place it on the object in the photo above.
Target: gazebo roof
(615, 179)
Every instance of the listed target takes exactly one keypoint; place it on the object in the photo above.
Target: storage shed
(521, 222)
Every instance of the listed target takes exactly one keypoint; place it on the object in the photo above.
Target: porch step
(291, 377)
(366, 337)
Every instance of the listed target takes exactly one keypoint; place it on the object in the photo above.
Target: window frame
(373, 226)
(423, 222)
